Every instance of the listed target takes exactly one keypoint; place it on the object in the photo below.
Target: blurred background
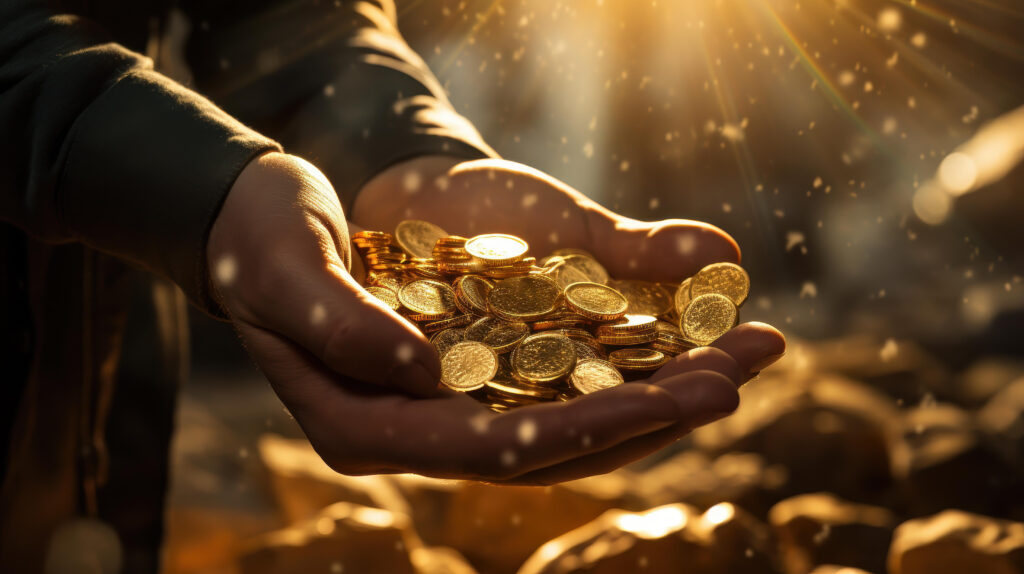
(866, 155)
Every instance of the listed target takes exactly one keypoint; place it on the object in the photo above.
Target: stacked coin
(512, 331)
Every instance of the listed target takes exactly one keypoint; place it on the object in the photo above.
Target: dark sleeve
(96, 147)
(335, 82)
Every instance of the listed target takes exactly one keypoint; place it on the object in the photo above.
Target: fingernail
(413, 377)
(702, 396)
(765, 363)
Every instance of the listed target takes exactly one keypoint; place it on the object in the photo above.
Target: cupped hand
(362, 381)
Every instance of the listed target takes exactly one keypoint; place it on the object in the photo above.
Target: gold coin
(726, 279)
(449, 323)
(523, 298)
(708, 317)
(629, 324)
(638, 359)
(627, 339)
(544, 357)
(682, 298)
(645, 297)
(446, 339)
(497, 248)
(388, 281)
(468, 366)
(427, 299)
(481, 327)
(592, 375)
(387, 296)
(574, 268)
(417, 238)
(595, 301)
(472, 291)
(585, 351)
(519, 394)
(504, 337)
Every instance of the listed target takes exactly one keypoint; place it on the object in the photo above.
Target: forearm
(99, 148)
(343, 89)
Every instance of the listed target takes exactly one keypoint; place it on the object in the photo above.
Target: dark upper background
(802, 128)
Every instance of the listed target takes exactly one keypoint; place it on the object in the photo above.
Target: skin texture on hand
(362, 381)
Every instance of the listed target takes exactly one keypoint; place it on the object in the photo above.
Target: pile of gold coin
(511, 330)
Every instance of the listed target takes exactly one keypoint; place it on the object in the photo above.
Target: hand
(486, 196)
(362, 381)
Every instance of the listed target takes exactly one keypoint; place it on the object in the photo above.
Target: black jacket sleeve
(96, 147)
(333, 81)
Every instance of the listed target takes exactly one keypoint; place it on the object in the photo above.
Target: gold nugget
(708, 317)
(468, 366)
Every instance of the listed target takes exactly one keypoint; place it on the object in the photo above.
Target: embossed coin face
(637, 359)
(497, 248)
(481, 328)
(645, 297)
(575, 267)
(592, 375)
(523, 298)
(708, 317)
(726, 279)
(387, 296)
(467, 366)
(473, 291)
(595, 301)
(544, 357)
(505, 336)
(427, 298)
(446, 339)
(418, 237)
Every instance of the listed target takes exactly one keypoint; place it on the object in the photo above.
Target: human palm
(362, 382)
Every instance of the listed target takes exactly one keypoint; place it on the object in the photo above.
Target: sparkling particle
(686, 244)
(226, 270)
(529, 200)
(317, 314)
(889, 20)
(404, 353)
(527, 432)
(508, 458)
(412, 181)
(794, 238)
(889, 350)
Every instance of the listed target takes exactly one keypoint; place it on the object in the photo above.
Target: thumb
(327, 312)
